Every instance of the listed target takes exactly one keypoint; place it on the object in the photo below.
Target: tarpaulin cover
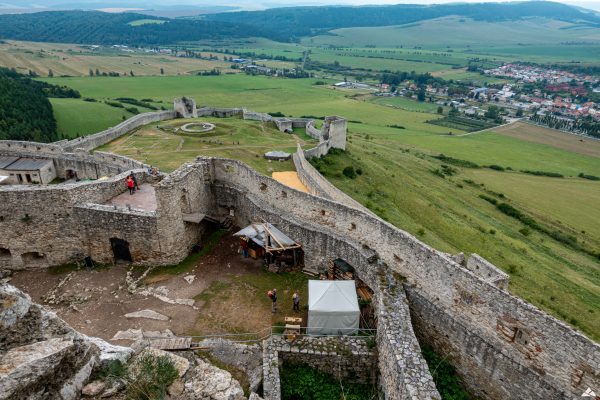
(258, 234)
(332, 308)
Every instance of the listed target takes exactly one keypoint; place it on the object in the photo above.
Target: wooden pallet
(176, 343)
(293, 320)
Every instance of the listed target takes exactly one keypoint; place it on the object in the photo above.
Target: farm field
(552, 137)
(73, 60)
(398, 184)
(405, 104)
(232, 138)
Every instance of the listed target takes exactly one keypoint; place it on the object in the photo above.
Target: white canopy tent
(332, 308)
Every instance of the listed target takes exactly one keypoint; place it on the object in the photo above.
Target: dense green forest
(25, 112)
(282, 24)
(294, 22)
(94, 27)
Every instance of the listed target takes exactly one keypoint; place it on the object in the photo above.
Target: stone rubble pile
(40, 355)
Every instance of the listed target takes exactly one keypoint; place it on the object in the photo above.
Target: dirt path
(493, 128)
(298, 140)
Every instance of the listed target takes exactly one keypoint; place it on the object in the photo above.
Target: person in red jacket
(130, 185)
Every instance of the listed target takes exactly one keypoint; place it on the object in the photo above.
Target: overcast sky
(243, 4)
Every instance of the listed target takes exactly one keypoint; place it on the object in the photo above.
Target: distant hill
(94, 27)
(295, 22)
(282, 24)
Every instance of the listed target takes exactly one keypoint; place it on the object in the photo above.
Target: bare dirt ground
(290, 178)
(227, 292)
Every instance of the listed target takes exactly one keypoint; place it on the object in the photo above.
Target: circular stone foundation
(197, 127)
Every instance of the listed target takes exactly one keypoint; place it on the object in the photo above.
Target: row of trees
(586, 125)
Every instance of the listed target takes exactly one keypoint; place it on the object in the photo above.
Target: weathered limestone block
(23, 322)
(109, 352)
(248, 358)
(93, 388)
(56, 368)
(150, 314)
(207, 382)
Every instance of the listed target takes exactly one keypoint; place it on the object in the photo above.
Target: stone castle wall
(557, 360)
(59, 224)
(96, 140)
(318, 185)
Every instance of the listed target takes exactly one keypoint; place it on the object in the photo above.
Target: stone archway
(120, 249)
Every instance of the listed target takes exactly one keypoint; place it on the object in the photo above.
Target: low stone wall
(312, 131)
(257, 116)
(29, 149)
(98, 139)
(220, 112)
(343, 357)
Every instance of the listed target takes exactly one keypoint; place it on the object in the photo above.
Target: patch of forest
(25, 111)
(95, 27)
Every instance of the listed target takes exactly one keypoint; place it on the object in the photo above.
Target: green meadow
(76, 117)
(233, 138)
(399, 180)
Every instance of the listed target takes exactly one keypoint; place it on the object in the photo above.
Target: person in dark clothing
(274, 300)
(135, 184)
(296, 301)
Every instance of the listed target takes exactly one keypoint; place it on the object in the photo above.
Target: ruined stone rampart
(557, 361)
(220, 112)
(101, 138)
(48, 225)
(185, 191)
(502, 346)
(318, 185)
(29, 148)
(344, 357)
(487, 271)
(312, 131)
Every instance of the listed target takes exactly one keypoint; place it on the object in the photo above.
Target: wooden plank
(176, 343)
(194, 218)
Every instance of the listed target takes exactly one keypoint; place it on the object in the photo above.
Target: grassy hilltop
(442, 202)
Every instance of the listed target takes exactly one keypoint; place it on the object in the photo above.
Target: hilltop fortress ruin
(502, 346)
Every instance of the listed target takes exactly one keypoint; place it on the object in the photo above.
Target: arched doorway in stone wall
(5, 253)
(120, 249)
(5, 257)
(340, 269)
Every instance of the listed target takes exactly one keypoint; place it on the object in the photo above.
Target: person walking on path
(296, 301)
(130, 185)
(273, 300)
